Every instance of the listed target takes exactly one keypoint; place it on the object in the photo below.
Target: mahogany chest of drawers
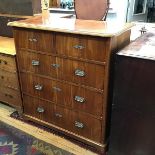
(65, 79)
(9, 84)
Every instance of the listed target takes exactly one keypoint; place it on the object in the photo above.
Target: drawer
(77, 122)
(34, 40)
(37, 108)
(7, 63)
(81, 73)
(9, 79)
(39, 87)
(37, 63)
(84, 47)
(71, 96)
(10, 96)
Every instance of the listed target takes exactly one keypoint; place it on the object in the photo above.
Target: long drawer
(7, 63)
(77, 122)
(69, 70)
(72, 96)
(84, 47)
(10, 96)
(9, 79)
(35, 40)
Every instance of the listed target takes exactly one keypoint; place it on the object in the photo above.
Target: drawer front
(37, 63)
(81, 73)
(70, 96)
(81, 47)
(87, 101)
(9, 79)
(37, 108)
(10, 96)
(79, 123)
(34, 40)
(39, 87)
(7, 63)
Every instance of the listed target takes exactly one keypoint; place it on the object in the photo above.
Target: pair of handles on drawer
(42, 110)
(77, 123)
(80, 47)
(40, 87)
(32, 39)
(3, 62)
(37, 63)
(76, 98)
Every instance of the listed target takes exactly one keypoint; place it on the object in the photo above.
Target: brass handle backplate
(79, 125)
(80, 73)
(38, 87)
(79, 99)
(40, 110)
(80, 47)
(55, 65)
(56, 89)
(58, 115)
(35, 62)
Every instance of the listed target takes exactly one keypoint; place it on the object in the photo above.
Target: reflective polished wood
(67, 64)
(75, 26)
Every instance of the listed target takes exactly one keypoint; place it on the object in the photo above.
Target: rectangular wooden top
(72, 25)
(143, 47)
(7, 46)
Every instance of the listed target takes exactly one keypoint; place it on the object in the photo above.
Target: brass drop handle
(56, 89)
(8, 95)
(3, 62)
(79, 125)
(58, 115)
(80, 47)
(79, 99)
(55, 65)
(80, 73)
(34, 40)
(40, 110)
(30, 39)
(38, 87)
(35, 62)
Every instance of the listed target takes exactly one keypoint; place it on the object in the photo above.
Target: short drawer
(37, 108)
(10, 96)
(7, 63)
(81, 73)
(71, 96)
(76, 122)
(37, 63)
(34, 40)
(39, 87)
(84, 47)
(9, 79)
